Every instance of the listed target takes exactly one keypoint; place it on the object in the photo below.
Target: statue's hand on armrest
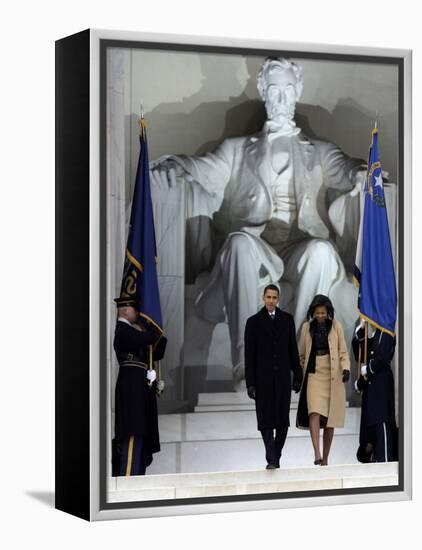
(359, 182)
(165, 172)
(360, 178)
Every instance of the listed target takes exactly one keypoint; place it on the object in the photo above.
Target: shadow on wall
(181, 133)
(186, 127)
(350, 126)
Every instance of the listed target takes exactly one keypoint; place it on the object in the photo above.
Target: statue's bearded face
(280, 96)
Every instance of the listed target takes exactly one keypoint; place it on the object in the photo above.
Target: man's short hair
(281, 63)
(272, 287)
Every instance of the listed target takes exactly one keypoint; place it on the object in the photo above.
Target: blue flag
(140, 279)
(374, 267)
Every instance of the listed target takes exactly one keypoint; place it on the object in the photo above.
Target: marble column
(117, 91)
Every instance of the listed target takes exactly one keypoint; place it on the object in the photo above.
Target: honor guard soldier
(378, 430)
(137, 343)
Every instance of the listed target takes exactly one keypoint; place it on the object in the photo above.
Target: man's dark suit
(270, 356)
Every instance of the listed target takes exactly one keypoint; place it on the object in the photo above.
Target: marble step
(245, 454)
(285, 479)
(232, 401)
(172, 407)
(229, 401)
(226, 425)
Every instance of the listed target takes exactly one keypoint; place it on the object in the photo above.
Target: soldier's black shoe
(270, 466)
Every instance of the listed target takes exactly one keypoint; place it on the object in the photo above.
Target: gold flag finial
(142, 125)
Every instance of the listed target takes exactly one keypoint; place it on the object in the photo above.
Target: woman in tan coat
(325, 360)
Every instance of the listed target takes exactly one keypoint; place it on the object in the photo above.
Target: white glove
(151, 375)
(360, 325)
(363, 370)
(160, 386)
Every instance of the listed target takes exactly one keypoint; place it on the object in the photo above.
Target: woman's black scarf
(312, 327)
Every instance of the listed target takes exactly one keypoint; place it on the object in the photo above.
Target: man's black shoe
(270, 466)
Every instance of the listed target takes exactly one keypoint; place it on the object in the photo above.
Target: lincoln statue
(259, 212)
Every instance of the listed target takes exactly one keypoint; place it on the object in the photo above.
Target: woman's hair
(320, 300)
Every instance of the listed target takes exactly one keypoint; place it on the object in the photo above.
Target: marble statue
(258, 213)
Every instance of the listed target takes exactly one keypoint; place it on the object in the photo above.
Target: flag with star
(374, 266)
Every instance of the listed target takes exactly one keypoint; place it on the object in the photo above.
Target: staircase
(217, 451)
(284, 480)
(221, 435)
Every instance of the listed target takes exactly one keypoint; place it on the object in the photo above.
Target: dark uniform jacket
(378, 389)
(136, 405)
(270, 354)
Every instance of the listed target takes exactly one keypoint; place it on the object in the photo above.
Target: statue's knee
(320, 250)
(239, 244)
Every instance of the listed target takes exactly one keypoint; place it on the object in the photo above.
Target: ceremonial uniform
(136, 419)
(378, 422)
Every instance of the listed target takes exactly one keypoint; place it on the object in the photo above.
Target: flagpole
(359, 365)
(365, 349)
(150, 366)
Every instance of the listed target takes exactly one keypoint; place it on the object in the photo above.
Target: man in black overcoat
(136, 418)
(270, 354)
(378, 430)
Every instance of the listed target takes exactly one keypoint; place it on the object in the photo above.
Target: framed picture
(257, 172)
